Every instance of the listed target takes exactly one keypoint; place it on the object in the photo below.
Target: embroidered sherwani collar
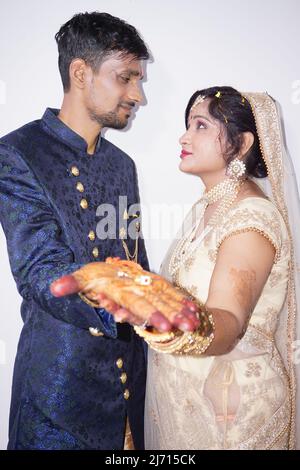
(64, 133)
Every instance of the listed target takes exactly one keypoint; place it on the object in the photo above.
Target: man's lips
(185, 154)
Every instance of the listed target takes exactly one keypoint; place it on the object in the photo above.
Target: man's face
(113, 90)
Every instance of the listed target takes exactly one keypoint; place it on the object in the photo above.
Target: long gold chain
(129, 256)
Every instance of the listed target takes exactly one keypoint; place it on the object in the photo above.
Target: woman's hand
(131, 294)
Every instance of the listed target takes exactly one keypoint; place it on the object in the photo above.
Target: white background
(252, 45)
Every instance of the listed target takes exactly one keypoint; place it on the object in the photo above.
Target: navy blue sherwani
(71, 389)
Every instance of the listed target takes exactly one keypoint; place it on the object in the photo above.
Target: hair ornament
(198, 100)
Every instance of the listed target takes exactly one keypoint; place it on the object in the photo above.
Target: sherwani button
(95, 252)
(119, 363)
(84, 204)
(123, 377)
(92, 235)
(80, 187)
(95, 331)
(126, 394)
(75, 171)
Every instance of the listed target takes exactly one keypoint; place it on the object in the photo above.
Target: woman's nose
(184, 139)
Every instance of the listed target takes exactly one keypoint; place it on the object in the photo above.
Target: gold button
(92, 235)
(119, 363)
(123, 377)
(95, 252)
(80, 187)
(95, 331)
(75, 171)
(126, 394)
(84, 204)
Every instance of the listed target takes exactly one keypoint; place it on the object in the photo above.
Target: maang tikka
(198, 100)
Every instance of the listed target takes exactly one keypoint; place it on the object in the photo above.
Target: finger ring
(144, 325)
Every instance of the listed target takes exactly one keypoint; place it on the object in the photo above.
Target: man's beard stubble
(110, 120)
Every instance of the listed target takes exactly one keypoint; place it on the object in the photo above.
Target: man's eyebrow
(135, 73)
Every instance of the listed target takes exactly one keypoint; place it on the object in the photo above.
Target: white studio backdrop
(252, 45)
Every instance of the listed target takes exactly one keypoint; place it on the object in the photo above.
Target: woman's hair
(229, 107)
(94, 36)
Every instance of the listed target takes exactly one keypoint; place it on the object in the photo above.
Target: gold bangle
(152, 335)
(88, 301)
(191, 343)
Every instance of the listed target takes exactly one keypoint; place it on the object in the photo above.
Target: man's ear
(77, 72)
(248, 139)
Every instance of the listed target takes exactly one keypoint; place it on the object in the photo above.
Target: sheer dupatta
(281, 188)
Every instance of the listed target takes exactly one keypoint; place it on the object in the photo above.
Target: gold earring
(236, 169)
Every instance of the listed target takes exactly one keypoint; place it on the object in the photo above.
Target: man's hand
(131, 294)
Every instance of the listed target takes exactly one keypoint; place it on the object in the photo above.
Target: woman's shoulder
(254, 213)
(254, 202)
(256, 207)
(254, 210)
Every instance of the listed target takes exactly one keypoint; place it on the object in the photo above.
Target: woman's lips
(185, 154)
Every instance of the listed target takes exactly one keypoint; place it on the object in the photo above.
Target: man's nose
(135, 94)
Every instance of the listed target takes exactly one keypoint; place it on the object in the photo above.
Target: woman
(239, 394)
(228, 382)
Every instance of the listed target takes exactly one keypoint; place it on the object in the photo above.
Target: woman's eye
(200, 125)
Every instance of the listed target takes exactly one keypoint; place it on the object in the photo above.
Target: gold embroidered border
(251, 229)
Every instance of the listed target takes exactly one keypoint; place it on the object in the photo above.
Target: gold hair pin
(197, 101)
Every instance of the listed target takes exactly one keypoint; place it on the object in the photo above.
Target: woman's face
(203, 144)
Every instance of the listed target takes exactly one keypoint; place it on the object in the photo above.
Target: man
(79, 378)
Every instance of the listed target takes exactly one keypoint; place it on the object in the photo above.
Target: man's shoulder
(19, 137)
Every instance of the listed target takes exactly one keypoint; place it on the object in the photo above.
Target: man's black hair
(94, 36)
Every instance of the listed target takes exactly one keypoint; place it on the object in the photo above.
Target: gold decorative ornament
(119, 363)
(80, 187)
(123, 377)
(143, 280)
(84, 204)
(122, 274)
(176, 342)
(95, 331)
(92, 235)
(123, 234)
(197, 101)
(75, 171)
(236, 169)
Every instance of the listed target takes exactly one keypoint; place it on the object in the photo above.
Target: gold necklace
(225, 192)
